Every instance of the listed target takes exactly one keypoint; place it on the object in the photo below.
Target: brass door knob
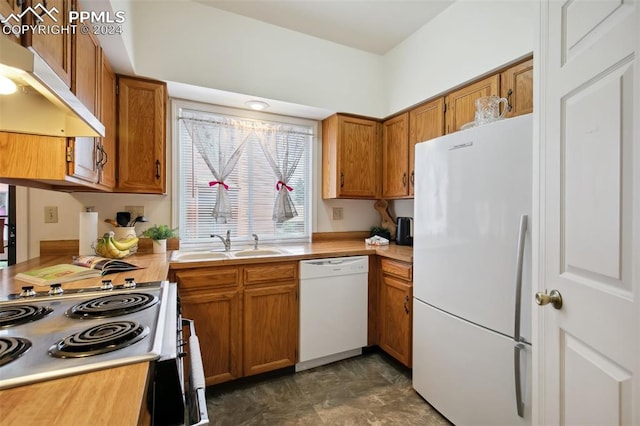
(554, 297)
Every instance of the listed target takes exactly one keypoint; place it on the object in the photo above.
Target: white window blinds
(246, 175)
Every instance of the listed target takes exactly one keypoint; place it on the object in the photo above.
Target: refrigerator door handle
(519, 261)
(517, 349)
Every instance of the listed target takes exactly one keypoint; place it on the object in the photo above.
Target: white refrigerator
(472, 273)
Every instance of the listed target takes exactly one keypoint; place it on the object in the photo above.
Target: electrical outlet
(337, 213)
(51, 214)
(135, 211)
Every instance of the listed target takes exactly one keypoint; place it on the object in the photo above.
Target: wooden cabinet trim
(270, 273)
(399, 269)
(207, 279)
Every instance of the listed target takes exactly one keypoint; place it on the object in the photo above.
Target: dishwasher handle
(332, 261)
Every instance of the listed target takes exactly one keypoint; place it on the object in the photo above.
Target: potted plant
(380, 231)
(159, 235)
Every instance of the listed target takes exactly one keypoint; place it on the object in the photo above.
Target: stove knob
(56, 289)
(129, 283)
(27, 291)
(106, 285)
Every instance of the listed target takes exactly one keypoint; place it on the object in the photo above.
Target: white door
(587, 356)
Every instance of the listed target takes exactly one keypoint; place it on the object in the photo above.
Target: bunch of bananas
(107, 246)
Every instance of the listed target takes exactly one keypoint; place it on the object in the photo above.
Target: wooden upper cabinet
(107, 157)
(141, 135)
(7, 7)
(516, 84)
(350, 157)
(425, 122)
(86, 85)
(461, 104)
(85, 82)
(55, 49)
(395, 157)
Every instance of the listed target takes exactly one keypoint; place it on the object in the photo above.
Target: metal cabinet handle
(100, 157)
(413, 178)
(404, 180)
(406, 304)
(105, 156)
(554, 298)
(341, 180)
(509, 93)
(157, 169)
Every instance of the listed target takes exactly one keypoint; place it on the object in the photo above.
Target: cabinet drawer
(397, 268)
(271, 272)
(207, 278)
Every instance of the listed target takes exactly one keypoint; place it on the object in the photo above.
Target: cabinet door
(217, 321)
(358, 158)
(85, 84)
(7, 7)
(516, 84)
(396, 306)
(83, 156)
(461, 105)
(395, 157)
(108, 118)
(270, 328)
(141, 135)
(55, 49)
(425, 122)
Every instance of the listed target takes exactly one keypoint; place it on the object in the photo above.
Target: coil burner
(22, 314)
(11, 348)
(112, 305)
(99, 339)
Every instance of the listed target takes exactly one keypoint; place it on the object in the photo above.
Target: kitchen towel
(88, 232)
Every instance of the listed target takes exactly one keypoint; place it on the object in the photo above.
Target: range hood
(42, 104)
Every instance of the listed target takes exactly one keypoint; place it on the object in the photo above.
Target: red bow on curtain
(280, 184)
(215, 182)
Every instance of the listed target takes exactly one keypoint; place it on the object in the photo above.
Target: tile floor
(367, 390)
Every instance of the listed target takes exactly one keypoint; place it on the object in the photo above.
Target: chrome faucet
(225, 241)
(255, 241)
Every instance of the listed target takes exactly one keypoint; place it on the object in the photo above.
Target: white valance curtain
(221, 142)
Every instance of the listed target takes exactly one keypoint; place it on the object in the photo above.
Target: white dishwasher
(333, 309)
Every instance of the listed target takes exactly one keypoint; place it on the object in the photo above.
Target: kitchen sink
(257, 252)
(194, 256)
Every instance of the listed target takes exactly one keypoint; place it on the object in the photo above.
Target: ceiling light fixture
(257, 105)
(7, 86)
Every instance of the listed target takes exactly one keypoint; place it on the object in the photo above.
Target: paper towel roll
(88, 232)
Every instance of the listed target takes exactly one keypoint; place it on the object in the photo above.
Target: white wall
(468, 39)
(188, 42)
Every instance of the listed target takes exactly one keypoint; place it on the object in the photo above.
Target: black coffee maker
(403, 231)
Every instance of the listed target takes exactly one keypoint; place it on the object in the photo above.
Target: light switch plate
(51, 214)
(135, 211)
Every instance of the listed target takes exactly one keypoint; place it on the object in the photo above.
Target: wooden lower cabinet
(246, 317)
(270, 328)
(395, 313)
(217, 321)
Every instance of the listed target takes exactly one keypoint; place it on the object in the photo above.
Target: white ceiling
(374, 26)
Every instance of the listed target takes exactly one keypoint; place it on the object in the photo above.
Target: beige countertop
(114, 396)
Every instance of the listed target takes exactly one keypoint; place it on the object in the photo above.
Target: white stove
(45, 336)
